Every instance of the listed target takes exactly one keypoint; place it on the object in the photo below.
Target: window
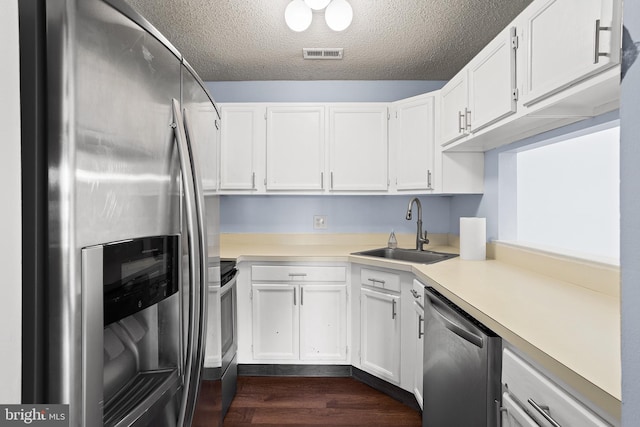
(562, 195)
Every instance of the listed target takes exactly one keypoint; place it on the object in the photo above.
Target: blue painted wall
(359, 214)
(320, 90)
(346, 214)
(487, 204)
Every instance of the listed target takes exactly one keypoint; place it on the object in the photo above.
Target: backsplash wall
(345, 214)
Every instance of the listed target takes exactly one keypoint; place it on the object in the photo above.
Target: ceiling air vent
(318, 53)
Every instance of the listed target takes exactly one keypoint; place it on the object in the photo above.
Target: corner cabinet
(299, 313)
(295, 148)
(412, 143)
(483, 92)
(358, 147)
(380, 327)
(567, 41)
(241, 147)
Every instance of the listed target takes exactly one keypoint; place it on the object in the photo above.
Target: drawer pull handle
(415, 294)
(297, 274)
(374, 281)
(543, 410)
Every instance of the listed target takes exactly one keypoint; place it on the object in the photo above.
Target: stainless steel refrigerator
(115, 249)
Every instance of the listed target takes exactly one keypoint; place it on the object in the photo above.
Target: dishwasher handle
(453, 326)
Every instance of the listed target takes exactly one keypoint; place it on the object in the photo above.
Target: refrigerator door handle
(197, 271)
(200, 341)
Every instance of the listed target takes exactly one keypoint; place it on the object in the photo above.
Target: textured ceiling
(226, 40)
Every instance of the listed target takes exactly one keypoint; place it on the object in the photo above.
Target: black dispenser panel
(138, 274)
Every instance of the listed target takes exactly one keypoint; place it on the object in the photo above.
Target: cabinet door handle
(393, 309)
(253, 181)
(429, 180)
(420, 323)
(297, 274)
(301, 296)
(597, 53)
(415, 294)
(467, 119)
(322, 180)
(460, 122)
(543, 410)
(331, 185)
(294, 296)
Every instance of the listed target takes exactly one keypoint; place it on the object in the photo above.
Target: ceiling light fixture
(298, 15)
(338, 14)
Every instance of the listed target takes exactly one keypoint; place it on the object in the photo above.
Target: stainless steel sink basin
(410, 255)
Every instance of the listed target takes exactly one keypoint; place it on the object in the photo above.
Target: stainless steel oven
(228, 331)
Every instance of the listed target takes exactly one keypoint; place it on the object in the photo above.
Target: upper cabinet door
(243, 132)
(492, 81)
(295, 148)
(567, 41)
(454, 109)
(358, 148)
(413, 142)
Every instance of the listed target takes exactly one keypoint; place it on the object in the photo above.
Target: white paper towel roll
(473, 238)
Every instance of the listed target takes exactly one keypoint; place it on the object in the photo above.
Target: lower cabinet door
(513, 415)
(323, 322)
(419, 352)
(275, 322)
(380, 334)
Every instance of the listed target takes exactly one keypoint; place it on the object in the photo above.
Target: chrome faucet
(420, 241)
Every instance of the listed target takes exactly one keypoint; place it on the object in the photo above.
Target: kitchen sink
(410, 255)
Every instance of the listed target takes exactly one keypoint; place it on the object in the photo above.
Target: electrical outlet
(319, 222)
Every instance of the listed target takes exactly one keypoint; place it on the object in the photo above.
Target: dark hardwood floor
(312, 401)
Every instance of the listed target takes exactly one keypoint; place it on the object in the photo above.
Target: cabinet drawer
(303, 273)
(380, 279)
(530, 387)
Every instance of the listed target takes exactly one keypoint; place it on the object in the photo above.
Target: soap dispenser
(392, 243)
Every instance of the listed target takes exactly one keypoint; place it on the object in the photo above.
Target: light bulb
(338, 15)
(317, 4)
(298, 15)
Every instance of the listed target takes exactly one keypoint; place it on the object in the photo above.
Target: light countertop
(570, 328)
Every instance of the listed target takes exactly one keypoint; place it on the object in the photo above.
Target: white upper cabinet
(295, 148)
(358, 147)
(412, 142)
(454, 109)
(492, 82)
(567, 41)
(243, 136)
(481, 93)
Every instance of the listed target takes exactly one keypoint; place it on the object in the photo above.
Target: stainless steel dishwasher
(461, 367)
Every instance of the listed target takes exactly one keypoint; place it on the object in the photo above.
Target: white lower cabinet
(418, 351)
(532, 399)
(323, 322)
(275, 322)
(297, 321)
(380, 334)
